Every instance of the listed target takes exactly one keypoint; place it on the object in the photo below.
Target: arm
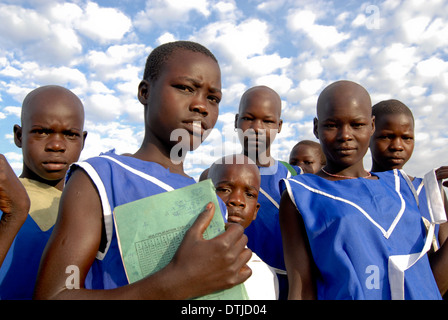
(298, 258)
(439, 259)
(15, 205)
(199, 266)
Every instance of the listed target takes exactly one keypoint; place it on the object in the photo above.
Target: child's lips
(396, 160)
(54, 166)
(346, 151)
(234, 219)
(196, 127)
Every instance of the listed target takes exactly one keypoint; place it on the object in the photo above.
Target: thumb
(203, 220)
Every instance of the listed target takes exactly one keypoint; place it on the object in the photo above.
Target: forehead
(306, 150)
(53, 104)
(344, 99)
(394, 121)
(241, 173)
(184, 62)
(261, 101)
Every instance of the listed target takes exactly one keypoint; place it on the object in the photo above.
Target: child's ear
(373, 125)
(84, 136)
(315, 125)
(236, 120)
(280, 125)
(18, 135)
(256, 211)
(143, 92)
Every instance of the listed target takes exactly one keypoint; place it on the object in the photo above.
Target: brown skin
(307, 157)
(391, 147)
(392, 143)
(237, 184)
(259, 112)
(51, 135)
(199, 266)
(14, 203)
(344, 128)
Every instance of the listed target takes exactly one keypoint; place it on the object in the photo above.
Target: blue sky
(395, 49)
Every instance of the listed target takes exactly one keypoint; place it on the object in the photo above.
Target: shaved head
(342, 92)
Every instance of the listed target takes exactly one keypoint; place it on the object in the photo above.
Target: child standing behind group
(307, 155)
(369, 229)
(258, 122)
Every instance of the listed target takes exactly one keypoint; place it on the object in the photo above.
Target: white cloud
(432, 67)
(103, 24)
(323, 36)
(165, 12)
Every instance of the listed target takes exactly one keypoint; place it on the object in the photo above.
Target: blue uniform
(18, 272)
(355, 227)
(264, 236)
(419, 190)
(119, 180)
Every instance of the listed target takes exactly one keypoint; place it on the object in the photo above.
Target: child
(307, 155)
(237, 182)
(258, 122)
(349, 233)
(181, 89)
(51, 137)
(392, 146)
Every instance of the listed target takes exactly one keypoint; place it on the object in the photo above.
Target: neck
(333, 173)
(263, 159)
(376, 167)
(28, 174)
(152, 152)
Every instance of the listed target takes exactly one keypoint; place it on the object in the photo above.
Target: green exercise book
(150, 230)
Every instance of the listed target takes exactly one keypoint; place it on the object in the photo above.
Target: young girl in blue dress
(348, 233)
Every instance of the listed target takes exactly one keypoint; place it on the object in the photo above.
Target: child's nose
(237, 200)
(199, 108)
(55, 143)
(396, 144)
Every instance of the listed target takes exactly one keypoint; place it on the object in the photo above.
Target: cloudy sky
(395, 49)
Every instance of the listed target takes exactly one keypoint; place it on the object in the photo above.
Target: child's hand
(441, 174)
(14, 200)
(211, 265)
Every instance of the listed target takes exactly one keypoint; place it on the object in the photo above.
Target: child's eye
(183, 88)
(222, 189)
(71, 134)
(214, 99)
(40, 132)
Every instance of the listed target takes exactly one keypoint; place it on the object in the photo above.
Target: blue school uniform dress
(366, 236)
(264, 236)
(18, 272)
(418, 188)
(119, 180)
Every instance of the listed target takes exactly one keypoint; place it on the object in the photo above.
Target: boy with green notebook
(181, 89)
